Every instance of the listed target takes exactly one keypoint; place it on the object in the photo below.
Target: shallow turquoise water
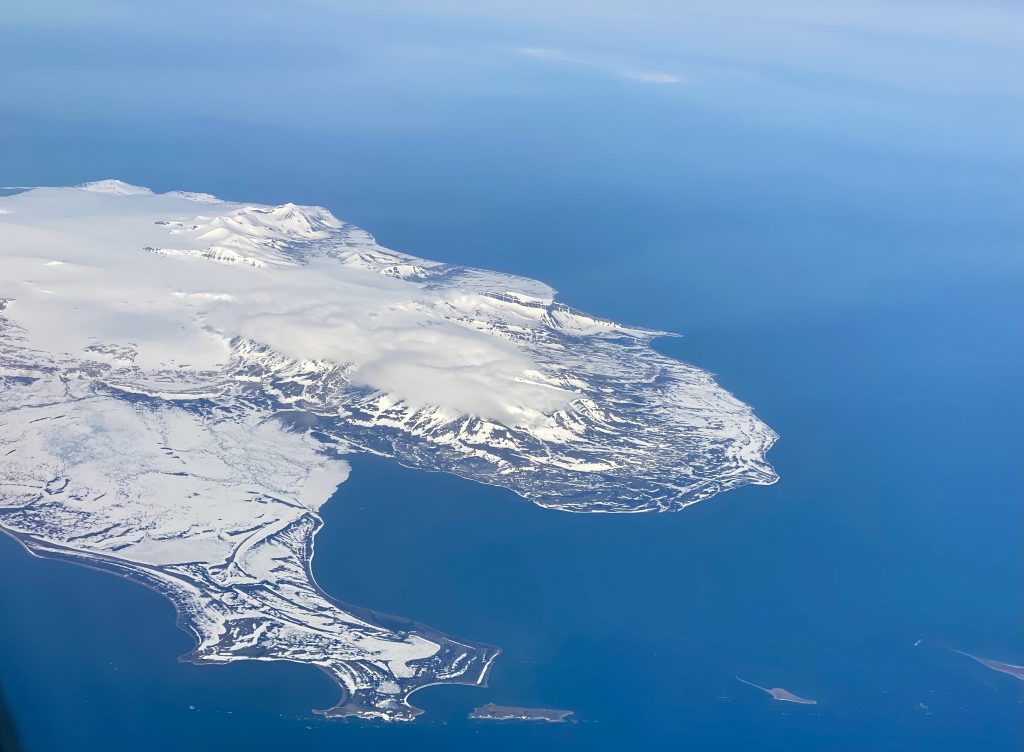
(847, 262)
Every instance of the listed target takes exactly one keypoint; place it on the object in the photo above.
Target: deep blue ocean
(828, 208)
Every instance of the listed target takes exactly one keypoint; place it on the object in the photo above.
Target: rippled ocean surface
(826, 203)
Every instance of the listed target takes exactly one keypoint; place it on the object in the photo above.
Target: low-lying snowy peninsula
(780, 694)
(181, 378)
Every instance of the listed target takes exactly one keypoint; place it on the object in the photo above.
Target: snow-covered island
(181, 378)
(492, 712)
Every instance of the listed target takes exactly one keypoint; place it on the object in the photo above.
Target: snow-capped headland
(156, 350)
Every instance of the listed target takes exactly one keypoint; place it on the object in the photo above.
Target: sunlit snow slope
(180, 377)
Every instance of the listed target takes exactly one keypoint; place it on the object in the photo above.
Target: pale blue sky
(324, 65)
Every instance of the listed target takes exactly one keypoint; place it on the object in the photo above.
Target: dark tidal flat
(836, 236)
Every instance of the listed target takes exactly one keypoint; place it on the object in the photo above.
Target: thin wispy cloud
(643, 76)
(547, 54)
(651, 77)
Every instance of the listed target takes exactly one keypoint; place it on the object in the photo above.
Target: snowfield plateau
(182, 377)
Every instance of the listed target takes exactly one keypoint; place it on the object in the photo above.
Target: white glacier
(181, 377)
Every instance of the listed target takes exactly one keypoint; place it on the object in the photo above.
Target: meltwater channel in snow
(181, 378)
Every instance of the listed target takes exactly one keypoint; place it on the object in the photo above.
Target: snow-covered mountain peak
(253, 235)
(117, 187)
